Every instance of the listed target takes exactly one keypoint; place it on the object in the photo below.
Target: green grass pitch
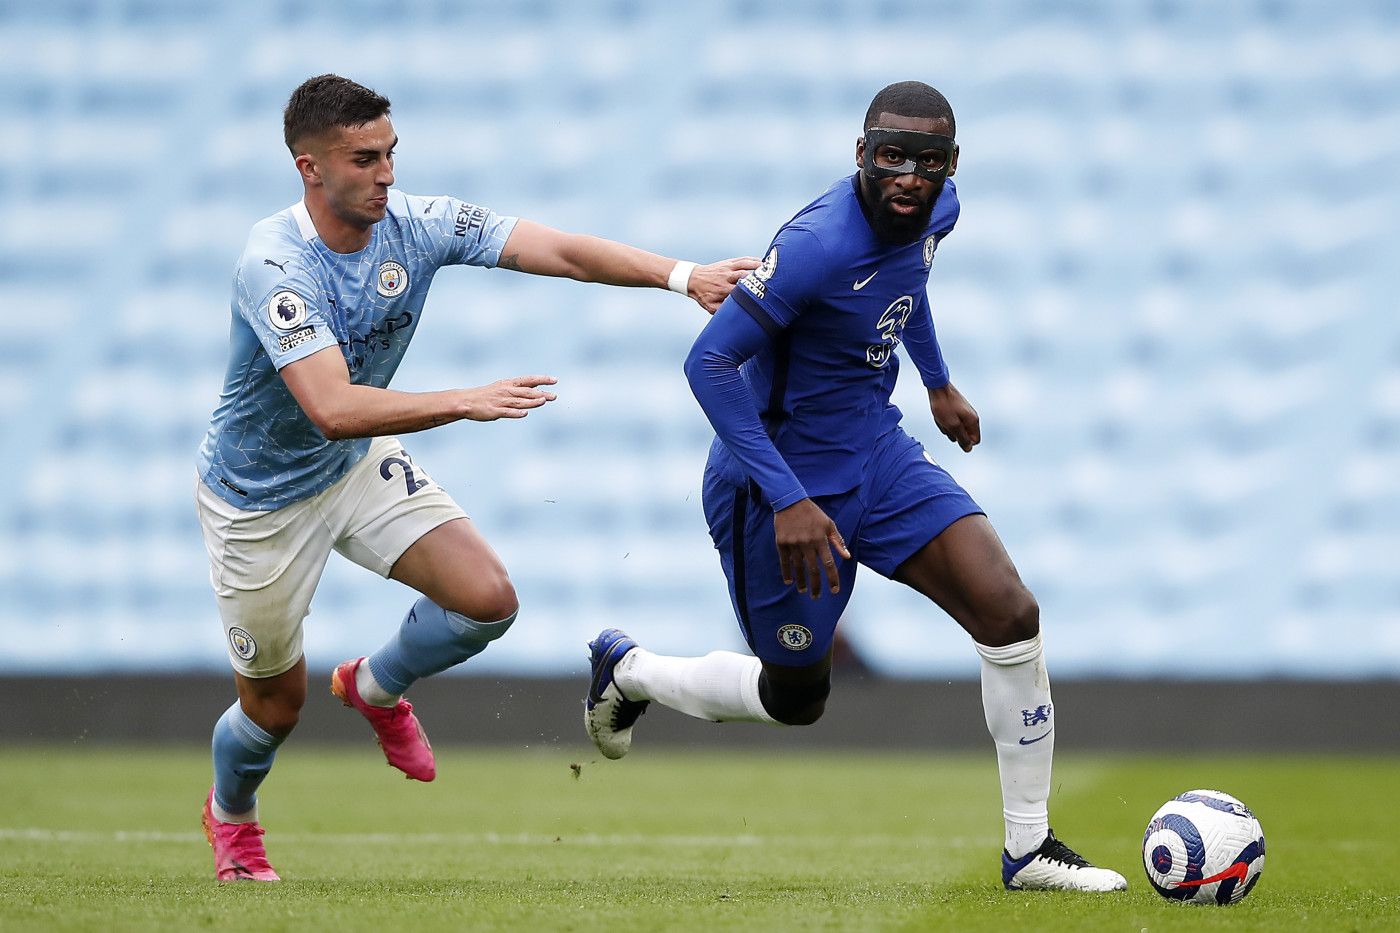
(557, 839)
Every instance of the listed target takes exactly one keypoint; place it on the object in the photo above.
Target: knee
(276, 716)
(487, 600)
(499, 603)
(794, 704)
(282, 725)
(1015, 617)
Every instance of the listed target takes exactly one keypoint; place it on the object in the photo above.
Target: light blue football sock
(243, 755)
(430, 640)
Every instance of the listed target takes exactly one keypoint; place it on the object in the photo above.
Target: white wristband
(679, 282)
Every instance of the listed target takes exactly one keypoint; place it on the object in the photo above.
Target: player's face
(901, 205)
(356, 169)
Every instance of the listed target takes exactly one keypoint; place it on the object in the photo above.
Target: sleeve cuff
(935, 380)
(787, 499)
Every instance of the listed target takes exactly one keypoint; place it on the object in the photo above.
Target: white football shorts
(264, 566)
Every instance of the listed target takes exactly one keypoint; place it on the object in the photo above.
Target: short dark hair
(911, 99)
(325, 102)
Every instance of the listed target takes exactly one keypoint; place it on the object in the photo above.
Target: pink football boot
(238, 849)
(399, 733)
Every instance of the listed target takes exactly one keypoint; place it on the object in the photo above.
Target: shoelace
(402, 708)
(1059, 852)
(241, 831)
(246, 847)
(627, 712)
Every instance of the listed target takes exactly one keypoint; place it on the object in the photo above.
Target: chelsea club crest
(795, 637)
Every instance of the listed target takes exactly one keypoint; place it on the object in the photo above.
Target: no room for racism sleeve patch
(294, 339)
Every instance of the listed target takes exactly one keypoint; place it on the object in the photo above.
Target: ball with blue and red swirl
(1203, 847)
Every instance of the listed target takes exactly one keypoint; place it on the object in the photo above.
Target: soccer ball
(1203, 847)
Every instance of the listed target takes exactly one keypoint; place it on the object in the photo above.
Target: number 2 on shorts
(412, 482)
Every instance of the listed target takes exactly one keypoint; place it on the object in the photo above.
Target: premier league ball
(1203, 847)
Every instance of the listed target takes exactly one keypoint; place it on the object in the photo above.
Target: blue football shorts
(904, 502)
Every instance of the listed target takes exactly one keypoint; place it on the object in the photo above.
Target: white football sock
(1025, 838)
(721, 687)
(1020, 717)
(223, 816)
(369, 688)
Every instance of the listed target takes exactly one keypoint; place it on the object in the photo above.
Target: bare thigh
(967, 572)
(456, 568)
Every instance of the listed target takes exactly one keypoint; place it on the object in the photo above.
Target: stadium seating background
(1170, 296)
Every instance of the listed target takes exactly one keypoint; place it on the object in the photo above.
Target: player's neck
(339, 236)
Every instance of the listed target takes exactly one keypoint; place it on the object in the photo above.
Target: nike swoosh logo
(1026, 741)
(863, 282)
(1238, 870)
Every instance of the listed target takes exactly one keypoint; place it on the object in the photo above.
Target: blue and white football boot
(1056, 867)
(608, 714)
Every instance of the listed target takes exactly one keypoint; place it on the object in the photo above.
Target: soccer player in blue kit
(300, 458)
(810, 473)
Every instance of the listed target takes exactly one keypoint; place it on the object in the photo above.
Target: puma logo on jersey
(866, 281)
(281, 266)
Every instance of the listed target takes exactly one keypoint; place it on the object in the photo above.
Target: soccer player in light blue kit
(301, 460)
(810, 473)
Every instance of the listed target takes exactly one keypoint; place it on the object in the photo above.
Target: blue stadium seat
(1169, 296)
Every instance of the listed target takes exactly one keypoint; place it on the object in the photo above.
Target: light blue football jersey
(293, 296)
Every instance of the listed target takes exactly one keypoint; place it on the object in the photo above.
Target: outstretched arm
(542, 250)
(340, 409)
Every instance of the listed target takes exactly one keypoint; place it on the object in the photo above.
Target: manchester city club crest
(243, 644)
(393, 279)
(795, 637)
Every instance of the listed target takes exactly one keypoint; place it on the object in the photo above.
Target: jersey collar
(304, 224)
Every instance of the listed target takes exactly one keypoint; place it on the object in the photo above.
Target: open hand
(710, 285)
(507, 398)
(806, 538)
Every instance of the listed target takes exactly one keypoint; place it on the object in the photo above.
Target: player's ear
(953, 164)
(860, 151)
(309, 168)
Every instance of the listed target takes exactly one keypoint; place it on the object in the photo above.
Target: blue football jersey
(836, 301)
(294, 296)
